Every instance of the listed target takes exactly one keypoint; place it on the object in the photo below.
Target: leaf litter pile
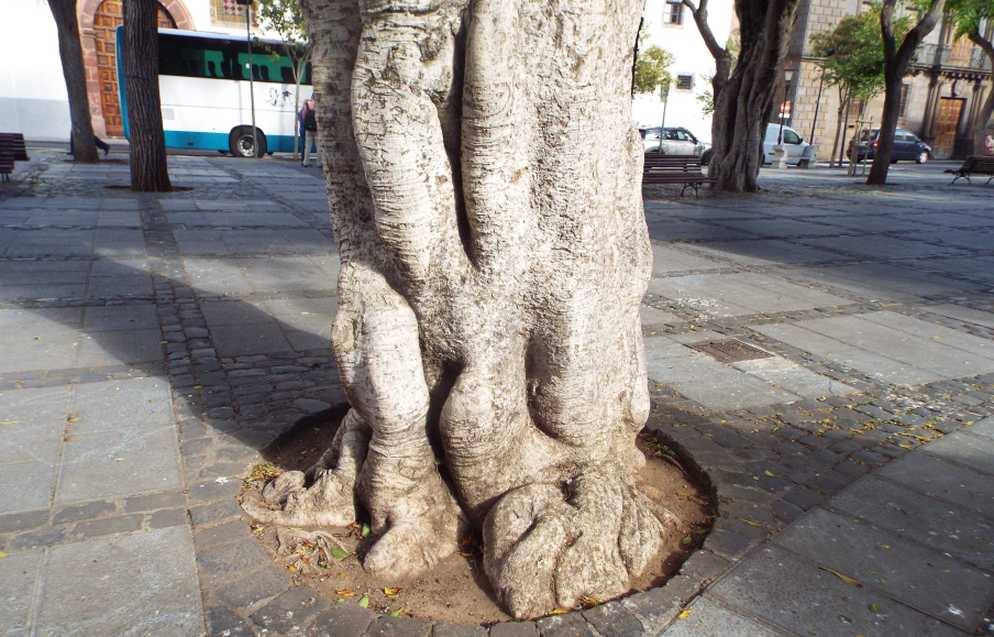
(329, 560)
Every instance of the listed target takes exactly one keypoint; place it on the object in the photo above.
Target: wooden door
(947, 125)
(108, 17)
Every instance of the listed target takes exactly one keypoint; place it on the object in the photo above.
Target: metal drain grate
(730, 351)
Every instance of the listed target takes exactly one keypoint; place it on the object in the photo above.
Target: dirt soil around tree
(330, 560)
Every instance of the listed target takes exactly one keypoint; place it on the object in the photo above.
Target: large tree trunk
(71, 53)
(896, 60)
(149, 171)
(987, 108)
(744, 104)
(484, 186)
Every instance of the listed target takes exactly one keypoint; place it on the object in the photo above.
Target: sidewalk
(824, 351)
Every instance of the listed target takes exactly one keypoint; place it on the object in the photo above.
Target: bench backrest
(14, 142)
(659, 164)
(982, 164)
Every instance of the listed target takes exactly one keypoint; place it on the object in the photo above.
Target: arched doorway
(106, 19)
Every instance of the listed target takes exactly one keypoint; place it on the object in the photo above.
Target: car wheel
(893, 161)
(922, 157)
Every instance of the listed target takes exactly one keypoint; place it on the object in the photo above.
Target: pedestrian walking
(101, 144)
(309, 118)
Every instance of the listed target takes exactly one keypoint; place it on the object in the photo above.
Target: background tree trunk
(745, 102)
(897, 59)
(484, 185)
(149, 170)
(722, 57)
(71, 54)
(987, 109)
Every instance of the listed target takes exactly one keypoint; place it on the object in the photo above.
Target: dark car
(907, 146)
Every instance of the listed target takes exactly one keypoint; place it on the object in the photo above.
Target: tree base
(331, 559)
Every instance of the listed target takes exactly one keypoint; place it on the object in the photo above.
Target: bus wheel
(242, 144)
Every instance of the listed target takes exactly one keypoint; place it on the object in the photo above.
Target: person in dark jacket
(308, 116)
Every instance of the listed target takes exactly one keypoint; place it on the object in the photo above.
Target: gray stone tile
(922, 578)
(256, 338)
(652, 316)
(882, 281)
(965, 314)
(147, 585)
(235, 219)
(752, 294)
(115, 463)
(668, 258)
(119, 347)
(18, 577)
(26, 486)
(877, 246)
(708, 619)
(33, 421)
(983, 428)
(116, 286)
(946, 527)
(872, 364)
(767, 252)
(803, 599)
(793, 378)
(928, 474)
(137, 404)
(925, 330)
(976, 452)
(234, 313)
(779, 227)
(706, 381)
(120, 317)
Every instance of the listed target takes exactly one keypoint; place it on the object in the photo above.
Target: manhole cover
(730, 351)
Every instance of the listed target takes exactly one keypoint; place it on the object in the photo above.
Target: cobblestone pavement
(825, 353)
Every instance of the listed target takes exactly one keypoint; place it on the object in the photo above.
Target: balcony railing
(940, 54)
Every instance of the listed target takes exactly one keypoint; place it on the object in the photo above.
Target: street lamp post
(664, 92)
(251, 71)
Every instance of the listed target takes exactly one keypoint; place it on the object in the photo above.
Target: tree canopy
(652, 70)
(853, 53)
(969, 15)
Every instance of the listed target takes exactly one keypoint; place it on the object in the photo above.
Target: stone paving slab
(142, 583)
(923, 578)
(947, 527)
(800, 598)
(930, 475)
(706, 618)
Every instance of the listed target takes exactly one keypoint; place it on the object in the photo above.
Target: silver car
(671, 141)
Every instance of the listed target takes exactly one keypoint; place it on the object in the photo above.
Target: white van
(796, 147)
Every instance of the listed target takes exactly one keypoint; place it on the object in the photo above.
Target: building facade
(942, 93)
(671, 27)
(33, 97)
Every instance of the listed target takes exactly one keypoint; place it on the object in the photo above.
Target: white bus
(204, 90)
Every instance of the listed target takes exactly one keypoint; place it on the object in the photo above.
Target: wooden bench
(675, 169)
(973, 166)
(12, 148)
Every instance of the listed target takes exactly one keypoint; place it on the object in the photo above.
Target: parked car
(907, 146)
(793, 143)
(676, 141)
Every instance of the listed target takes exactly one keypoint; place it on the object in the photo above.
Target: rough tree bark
(722, 57)
(483, 177)
(987, 108)
(147, 156)
(744, 105)
(896, 63)
(71, 53)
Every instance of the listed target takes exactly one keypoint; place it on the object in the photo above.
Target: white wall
(690, 57)
(32, 92)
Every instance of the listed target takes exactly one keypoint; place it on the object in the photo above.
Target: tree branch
(700, 15)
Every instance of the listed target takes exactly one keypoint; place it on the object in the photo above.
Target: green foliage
(284, 18)
(969, 15)
(853, 53)
(652, 70)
